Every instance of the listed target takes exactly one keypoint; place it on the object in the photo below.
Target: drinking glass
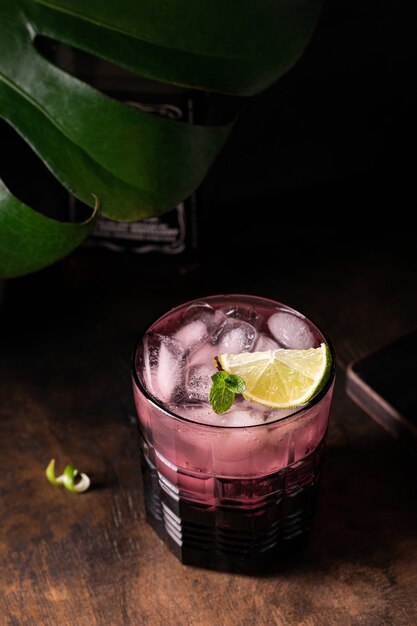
(230, 498)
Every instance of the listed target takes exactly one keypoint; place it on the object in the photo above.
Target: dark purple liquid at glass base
(246, 526)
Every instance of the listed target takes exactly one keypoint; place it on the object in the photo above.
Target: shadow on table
(366, 509)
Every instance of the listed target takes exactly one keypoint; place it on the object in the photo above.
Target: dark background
(329, 149)
(319, 164)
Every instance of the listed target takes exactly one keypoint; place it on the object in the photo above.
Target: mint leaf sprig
(223, 391)
(67, 479)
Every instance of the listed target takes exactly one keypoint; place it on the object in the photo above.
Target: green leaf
(137, 164)
(221, 398)
(219, 377)
(232, 381)
(223, 390)
(29, 241)
(235, 383)
(92, 143)
(239, 48)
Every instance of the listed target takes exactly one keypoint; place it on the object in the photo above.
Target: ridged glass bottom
(236, 525)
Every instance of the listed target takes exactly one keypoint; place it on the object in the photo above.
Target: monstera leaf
(136, 164)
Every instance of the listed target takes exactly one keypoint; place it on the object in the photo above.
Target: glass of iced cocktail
(233, 397)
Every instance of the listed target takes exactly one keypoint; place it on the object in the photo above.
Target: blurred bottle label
(165, 234)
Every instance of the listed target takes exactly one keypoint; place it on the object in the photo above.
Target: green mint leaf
(219, 377)
(223, 390)
(235, 383)
(221, 398)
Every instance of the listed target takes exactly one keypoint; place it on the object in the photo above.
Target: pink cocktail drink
(231, 491)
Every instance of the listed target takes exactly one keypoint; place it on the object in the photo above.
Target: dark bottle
(167, 244)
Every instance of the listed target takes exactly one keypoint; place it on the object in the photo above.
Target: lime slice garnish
(280, 378)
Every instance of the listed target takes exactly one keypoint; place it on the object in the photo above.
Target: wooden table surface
(92, 559)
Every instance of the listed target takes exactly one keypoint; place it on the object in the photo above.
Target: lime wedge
(280, 378)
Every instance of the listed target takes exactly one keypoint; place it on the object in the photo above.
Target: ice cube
(197, 310)
(147, 368)
(265, 343)
(241, 417)
(164, 365)
(291, 331)
(205, 354)
(202, 413)
(240, 443)
(198, 382)
(167, 372)
(234, 336)
(205, 313)
(192, 335)
(246, 314)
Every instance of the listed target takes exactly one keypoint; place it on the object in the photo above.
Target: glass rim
(305, 407)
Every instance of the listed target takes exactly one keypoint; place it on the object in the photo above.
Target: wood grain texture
(92, 560)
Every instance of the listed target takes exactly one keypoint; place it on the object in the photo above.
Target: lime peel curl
(67, 479)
